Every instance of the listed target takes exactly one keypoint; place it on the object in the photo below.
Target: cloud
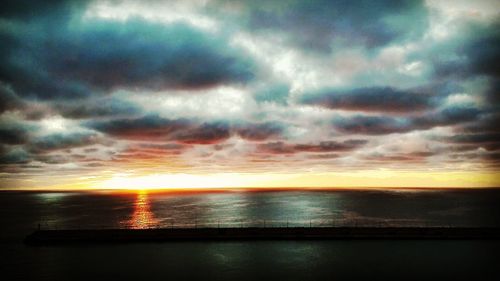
(371, 125)
(446, 117)
(259, 132)
(382, 125)
(488, 141)
(475, 138)
(260, 85)
(50, 60)
(156, 128)
(28, 10)
(323, 24)
(164, 147)
(14, 156)
(409, 157)
(150, 151)
(275, 94)
(62, 141)
(150, 127)
(330, 146)
(487, 123)
(472, 54)
(372, 99)
(484, 50)
(206, 133)
(8, 99)
(324, 146)
(95, 108)
(13, 134)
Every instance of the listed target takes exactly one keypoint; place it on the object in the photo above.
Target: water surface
(21, 212)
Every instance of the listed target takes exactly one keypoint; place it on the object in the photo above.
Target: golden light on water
(142, 217)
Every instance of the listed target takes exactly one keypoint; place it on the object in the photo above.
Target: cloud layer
(96, 87)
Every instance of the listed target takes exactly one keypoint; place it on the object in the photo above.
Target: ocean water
(22, 212)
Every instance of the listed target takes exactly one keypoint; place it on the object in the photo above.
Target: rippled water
(239, 209)
(21, 212)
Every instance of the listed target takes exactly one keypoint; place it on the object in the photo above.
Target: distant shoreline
(71, 236)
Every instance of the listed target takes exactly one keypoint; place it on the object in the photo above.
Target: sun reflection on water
(142, 216)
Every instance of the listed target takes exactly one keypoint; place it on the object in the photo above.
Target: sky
(214, 93)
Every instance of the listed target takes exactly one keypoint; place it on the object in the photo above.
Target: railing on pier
(263, 223)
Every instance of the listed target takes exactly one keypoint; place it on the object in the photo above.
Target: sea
(22, 212)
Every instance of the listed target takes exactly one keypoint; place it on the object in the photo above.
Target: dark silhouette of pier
(62, 236)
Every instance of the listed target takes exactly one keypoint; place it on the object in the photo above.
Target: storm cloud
(149, 127)
(68, 61)
(156, 128)
(61, 141)
(382, 125)
(324, 146)
(323, 25)
(374, 99)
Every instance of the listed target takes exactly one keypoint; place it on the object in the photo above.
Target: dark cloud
(14, 156)
(324, 146)
(206, 133)
(490, 158)
(108, 107)
(373, 99)
(483, 49)
(14, 133)
(487, 123)
(493, 93)
(27, 10)
(330, 146)
(475, 138)
(382, 125)
(61, 141)
(276, 148)
(259, 132)
(320, 25)
(488, 141)
(177, 56)
(53, 60)
(474, 54)
(8, 99)
(151, 127)
(53, 159)
(372, 125)
(446, 117)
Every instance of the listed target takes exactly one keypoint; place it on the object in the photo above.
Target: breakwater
(64, 236)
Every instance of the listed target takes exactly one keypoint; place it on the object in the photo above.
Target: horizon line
(246, 189)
